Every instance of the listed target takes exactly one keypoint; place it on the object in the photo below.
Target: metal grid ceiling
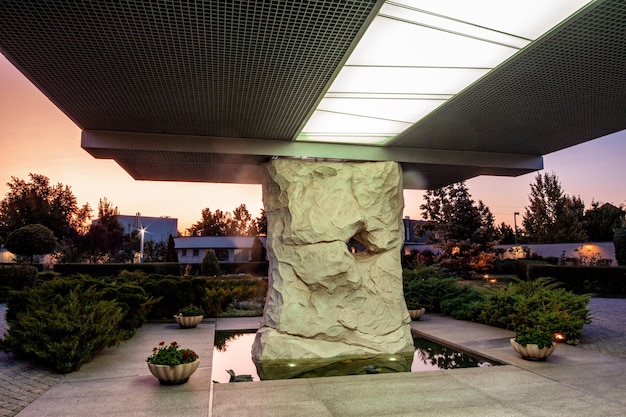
(216, 68)
(567, 88)
(256, 69)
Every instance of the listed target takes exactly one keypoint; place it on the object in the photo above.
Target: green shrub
(64, 331)
(464, 303)
(220, 293)
(602, 280)
(16, 277)
(537, 335)
(432, 288)
(537, 304)
(619, 241)
(213, 294)
(173, 293)
(114, 269)
(31, 240)
(133, 301)
(210, 264)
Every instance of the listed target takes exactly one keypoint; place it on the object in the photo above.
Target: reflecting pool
(232, 352)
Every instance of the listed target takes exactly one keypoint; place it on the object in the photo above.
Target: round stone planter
(532, 351)
(174, 375)
(188, 322)
(416, 314)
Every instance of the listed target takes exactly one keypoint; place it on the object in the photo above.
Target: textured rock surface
(323, 300)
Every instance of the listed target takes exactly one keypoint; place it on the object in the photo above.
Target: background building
(227, 248)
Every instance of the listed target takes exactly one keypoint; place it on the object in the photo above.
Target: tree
(258, 251)
(553, 216)
(619, 241)
(220, 223)
(463, 230)
(31, 240)
(242, 222)
(105, 240)
(37, 202)
(212, 224)
(505, 234)
(260, 224)
(601, 221)
(210, 264)
(171, 255)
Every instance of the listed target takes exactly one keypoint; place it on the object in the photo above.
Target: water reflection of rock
(444, 357)
(323, 367)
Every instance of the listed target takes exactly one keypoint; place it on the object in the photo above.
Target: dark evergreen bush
(619, 241)
(63, 331)
(210, 264)
(601, 280)
(432, 288)
(133, 301)
(30, 240)
(537, 304)
(16, 277)
(213, 294)
(113, 269)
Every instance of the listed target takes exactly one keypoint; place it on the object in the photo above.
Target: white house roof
(215, 242)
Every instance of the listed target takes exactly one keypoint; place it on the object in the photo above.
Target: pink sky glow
(36, 137)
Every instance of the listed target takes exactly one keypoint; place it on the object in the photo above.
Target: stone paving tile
(607, 331)
(22, 383)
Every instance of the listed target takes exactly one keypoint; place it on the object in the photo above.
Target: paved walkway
(583, 378)
(21, 383)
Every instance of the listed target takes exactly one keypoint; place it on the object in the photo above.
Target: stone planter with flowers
(189, 317)
(171, 364)
(533, 343)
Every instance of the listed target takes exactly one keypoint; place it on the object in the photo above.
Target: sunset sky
(36, 137)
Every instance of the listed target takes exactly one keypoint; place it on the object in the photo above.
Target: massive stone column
(325, 301)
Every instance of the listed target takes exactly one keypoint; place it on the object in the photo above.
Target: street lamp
(515, 214)
(142, 231)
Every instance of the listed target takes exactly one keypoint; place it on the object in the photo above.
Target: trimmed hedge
(213, 294)
(603, 281)
(162, 268)
(108, 270)
(16, 277)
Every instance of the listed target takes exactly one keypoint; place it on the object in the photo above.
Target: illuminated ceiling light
(416, 55)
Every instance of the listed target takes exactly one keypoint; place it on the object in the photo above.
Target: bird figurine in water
(371, 369)
(238, 378)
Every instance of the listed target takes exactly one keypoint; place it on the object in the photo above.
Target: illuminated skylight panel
(405, 79)
(356, 138)
(395, 43)
(417, 16)
(529, 19)
(327, 122)
(387, 108)
(418, 53)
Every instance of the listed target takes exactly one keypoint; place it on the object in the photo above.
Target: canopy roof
(210, 90)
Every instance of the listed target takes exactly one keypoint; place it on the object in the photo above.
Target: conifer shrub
(213, 294)
(16, 277)
(63, 331)
(619, 241)
(537, 304)
(131, 298)
(210, 264)
(437, 291)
